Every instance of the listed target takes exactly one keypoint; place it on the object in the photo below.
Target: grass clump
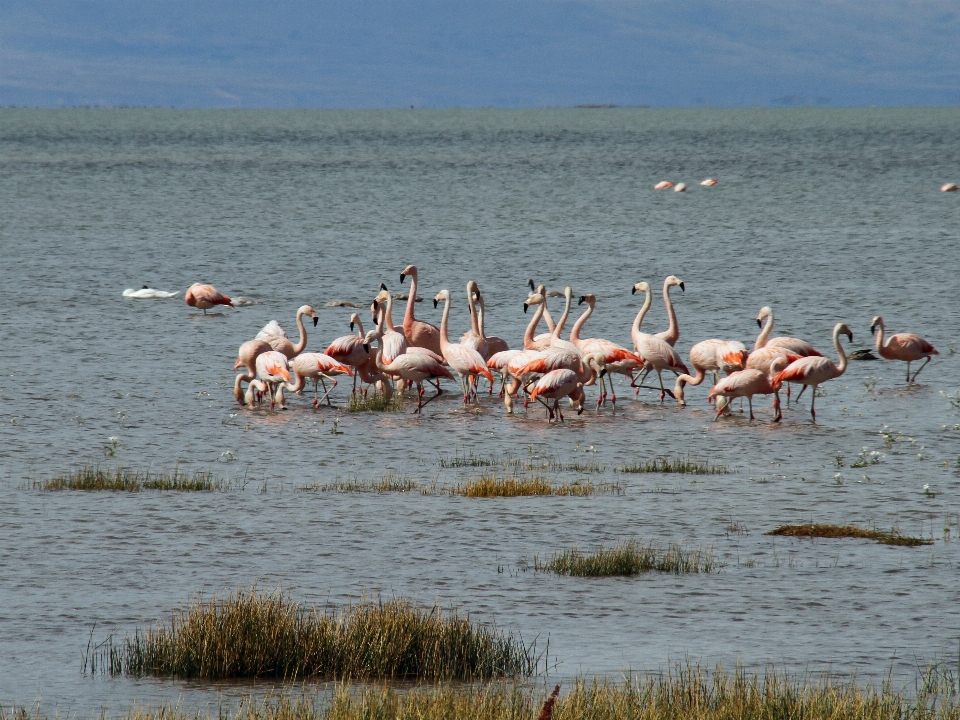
(629, 558)
(813, 530)
(259, 635)
(375, 402)
(677, 464)
(123, 480)
(513, 485)
(468, 460)
(388, 483)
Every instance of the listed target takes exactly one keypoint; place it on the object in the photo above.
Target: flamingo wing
(555, 383)
(466, 361)
(807, 371)
(907, 346)
(271, 331)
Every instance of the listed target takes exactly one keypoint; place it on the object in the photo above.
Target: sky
(478, 53)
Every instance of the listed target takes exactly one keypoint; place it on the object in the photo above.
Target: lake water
(825, 215)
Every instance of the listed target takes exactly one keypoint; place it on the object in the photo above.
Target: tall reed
(121, 479)
(629, 558)
(677, 464)
(254, 635)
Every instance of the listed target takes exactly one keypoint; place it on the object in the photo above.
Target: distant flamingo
(657, 354)
(672, 333)
(617, 359)
(663, 185)
(349, 349)
(902, 346)
(747, 383)
(418, 332)
(275, 335)
(273, 369)
(317, 367)
(412, 368)
(814, 371)
(949, 187)
(247, 357)
(709, 182)
(714, 356)
(464, 361)
(205, 297)
(680, 187)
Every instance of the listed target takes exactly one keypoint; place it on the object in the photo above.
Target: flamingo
(473, 337)
(410, 367)
(464, 361)
(275, 335)
(394, 343)
(709, 182)
(902, 346)
(816, 370)
(205, 297)
(680, 187)
(272, 369)
(727, 356)
(949, 187)
(494, 344)
(317, 367)
(750, 382)
(531, 342)
(791, 344)
(418, 332)
(657, 354)
(672, 333)
(247, 357)
(663, 185)
(349, 350)
(562, 383)
(618, 359)
(498, 363)
(541, 289)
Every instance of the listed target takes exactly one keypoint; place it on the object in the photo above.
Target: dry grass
(629, 558)
(677, 464)
(258, 635)
(848, 531)
(123, 480)
(683, 693)
(493, 484)
(373, 402)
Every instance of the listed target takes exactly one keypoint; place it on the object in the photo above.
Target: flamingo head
(875, 323)
(410, 270)
(765, 313)
(589, 298)
(597, 362)
(642, 286)
(678, 392)
(309, 312)
(443, 295)
(674, 280)
(842, 329)
(535, 299)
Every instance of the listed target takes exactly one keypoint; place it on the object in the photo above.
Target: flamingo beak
(603, 372)
(366, 347)
(351, 326)
(850, 335)
(435, 303)
(633, 290)
(375, 305)
(873, 329)
(682, 288)
(382, 286)
(525, 306)
(402, 278)
(315, 321)
(581, 300)
(580, 410)
(532, 286)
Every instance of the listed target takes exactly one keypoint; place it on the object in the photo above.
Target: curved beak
(315, 321)
(366, 347)
(633, 290)
(351, 326)
(525, 306)
(873, 329)
(532, 286)
(435, 303)
(402, 278)
(603, 372)
(375, 306)
(581, 300)
(850, 335)
(759, 324)
(682, 288)
(383, 287)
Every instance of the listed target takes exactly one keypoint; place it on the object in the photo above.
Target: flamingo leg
(613, 390)
(431, 399)
(750, 400)
(908, 371)
(777, 415)
(663, 390)
(813, 401)
(918, 371)
(315, 385)
(788, 393)
(802, 388)
(556, 406)
(326, 395)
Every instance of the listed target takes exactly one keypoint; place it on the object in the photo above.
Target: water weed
(513, 485)
(629, 558)
(848, 531)
(388, 483)
(122, 480)
(259, 635)
(374, 402)
(677, 464)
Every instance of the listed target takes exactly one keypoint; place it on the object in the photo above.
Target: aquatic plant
(867, 458)
(374, 402)
(629, 558)
(390, 482)
(677, 464)
(469, 460)
(255, 635)
(513, 485)
(813, 530)
(120, 479)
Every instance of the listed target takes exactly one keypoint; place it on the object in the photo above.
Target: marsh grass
(258, 635)
(493, 484)
(457, 460)
(389, 482)
(374, 402)
(629, 558)
(534, 463)
(122, 480)
(848, 531)
(677, 464)
(685, 692)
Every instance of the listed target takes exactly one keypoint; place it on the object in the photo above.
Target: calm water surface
(825, 215)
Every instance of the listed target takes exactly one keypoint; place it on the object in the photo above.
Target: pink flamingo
(791, 344)
(247, 357)
(749, 382)
(548, 319)
(418, 332)
(672, 333)
(394, 343)
(816, 370)
(715, 356)
(617, 359)
(531, 342)
(494, 344)
(562, 383)
(205, 297)
(464, 361)
(498, 363)
(317, 367)
(473, 338)
(657, 354)
(272, 369)
(902, 346)
(275, 335)
(349, 349)
(411, 368)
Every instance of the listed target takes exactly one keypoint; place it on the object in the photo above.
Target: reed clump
(630, 558)
(677, 464)
(390, 482)
(260, 635)
(685, 692)
(493, 484)
(373, 402)
(815, 530)
(121, 479)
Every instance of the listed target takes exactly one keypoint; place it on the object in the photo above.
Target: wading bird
(902, 346)
(814, 371)
(204, 297)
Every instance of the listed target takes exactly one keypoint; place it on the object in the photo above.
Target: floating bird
(949, 187)
(680, 187)
(663, 185)
(709, 182)
(146, 293)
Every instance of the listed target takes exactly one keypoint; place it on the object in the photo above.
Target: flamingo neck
(672, 331)
(408, 317)
(481, 330)
(878, 340)
(546, 311)
(581, 321)
(764, 332)
(842, 364)
(474, 323)
(563, 318)
(638, 320)
(695, 380)
(532, 327)
(360, 332)
(444, 340)
(297, 386)
(302, 342)
(388, 312)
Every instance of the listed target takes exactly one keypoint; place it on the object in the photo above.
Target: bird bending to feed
(465, 361)
(272, 370)
(663, 185)
(204, 297)
(418, 332)
(562, 383)
(709, 182)
(318, 367)
(146, 293)
(713, 356)
(750, 382)
(617, 359)
(657, 354)
(816, 370)
(672, 333)
(410, 367)
(680, 187)
(275, 335)
(247, 357)
(902, 346)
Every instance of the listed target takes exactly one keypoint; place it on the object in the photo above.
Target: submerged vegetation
(677, 464)
(123, 480)
(848, 531)
(686, 692)
(374, 402)
(258, 635)
(531, 463)
(390, 482)
(629, 558)
(492, 484)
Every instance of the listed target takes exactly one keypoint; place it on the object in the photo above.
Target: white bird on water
(146, 293)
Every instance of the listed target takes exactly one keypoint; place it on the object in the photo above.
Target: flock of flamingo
(548, 368)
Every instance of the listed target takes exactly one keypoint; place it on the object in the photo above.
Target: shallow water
(825, 215)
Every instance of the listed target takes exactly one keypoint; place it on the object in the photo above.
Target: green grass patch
(122, 480)
(266, 635)
(390, 482)
(629, 558)
(676, 464)
(493, 484)
(373, 402)
(814, 530)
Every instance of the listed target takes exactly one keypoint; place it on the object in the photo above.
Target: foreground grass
(848, 531)
(629, 558)
(677, 464)
(683, 693)
(257, 635)
(493, 484)
(121, 479)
